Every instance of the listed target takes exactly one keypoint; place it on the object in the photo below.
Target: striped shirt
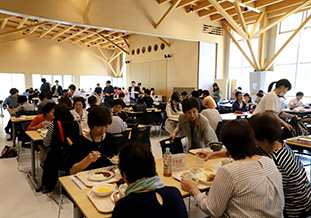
(245, 189)
(297, 188)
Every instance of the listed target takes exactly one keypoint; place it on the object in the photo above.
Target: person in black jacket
(147, 99)
(133, 92)
(57, 90)
(108, 92)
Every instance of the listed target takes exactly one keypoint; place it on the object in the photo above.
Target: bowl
(216, 146)
(114, 160)
(103, 189)
(200, 159)
(226, 161)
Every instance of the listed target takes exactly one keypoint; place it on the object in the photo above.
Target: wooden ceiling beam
(4, 22)
(185, 3)
(201, 6)
(257, 22)
(167, 13)
(275, 22)
(122, 49)
(279, 14)
(231, 12)
(92, 40)
(21, 23)
(62, 32)
(164, 41)
(102, 53)
(265, 3)
(5, 16)
(21, 29)
(225, 5)
(49, 30)
(115, 56)
(163, 1)
(88, 35)
(107, 44)
(81, 30)
(283, 5)
(126, 42)
(87, 7)
(32, 30)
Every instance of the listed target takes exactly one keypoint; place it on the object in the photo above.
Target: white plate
(202, 177)
(91, 178)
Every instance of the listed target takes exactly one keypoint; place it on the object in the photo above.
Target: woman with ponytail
(271, 102)
(173, 110)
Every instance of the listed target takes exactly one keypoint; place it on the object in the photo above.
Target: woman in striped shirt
(251, 186)
(296, 187)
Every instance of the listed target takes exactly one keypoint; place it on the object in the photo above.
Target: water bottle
(167, 163)
(251, 109)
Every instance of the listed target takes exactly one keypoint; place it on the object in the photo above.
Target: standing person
(74, 91)
(57, 90)
(98, 91)
(108, 92)
(139, 86)
(10, 103)
(173, 110)
(46, 88)
(239, 104)
(147, 99)
(208, 100)
(296, 102)
(251, 186)
(296, 187)
(194, 125)
(216, 95)
(133, 92)
(146, 195)
(271, 102)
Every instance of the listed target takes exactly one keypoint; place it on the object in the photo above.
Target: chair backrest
(147, 118)
(241, 117)
(121, 138)
(219, 126)
(175, 146)
(141, 135)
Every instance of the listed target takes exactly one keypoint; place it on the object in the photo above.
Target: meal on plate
(105, 174)
(209, 169)
(188, 175)
(195, 170)
(100, 175)
(238, 112)
(206, 176)
(104, 189)
(210, 176)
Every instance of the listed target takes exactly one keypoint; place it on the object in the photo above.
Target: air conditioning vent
(213, 30)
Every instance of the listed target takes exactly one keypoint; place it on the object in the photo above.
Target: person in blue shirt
(239, 104)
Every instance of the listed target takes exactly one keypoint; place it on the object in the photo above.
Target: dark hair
(240, 87)
(147, 91)
(42, 96)
(43, 80)
(260, 91)
(200, 92)
(250, 98)
(73, 87)
(62, 113)
(266, 126)
(65, 100)
(48, 107)
(238, 137)
(107, 105)
(281, 82)
(134, 156)
(97, 84)
(184, 93)
(79, 99)
(121, 95)
(139, 84)
(92, 100)
(118, 102)
(133, 81)
(237, 93)
(99, 116)
(205, 92)
(189, 103)
(195, 94)
(56, 81)
(299, 94)
(21, 99)
(215, 89)
(259, 94)
(13, 91)
(246, 94)
(152, 89)
(175, 97)
(108, 81)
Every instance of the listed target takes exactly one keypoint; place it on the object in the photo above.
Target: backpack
(299, 129)
(8, 151)
(139, 106)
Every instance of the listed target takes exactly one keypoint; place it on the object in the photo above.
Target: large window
(11, 80)
(64, 80)
(88, 83)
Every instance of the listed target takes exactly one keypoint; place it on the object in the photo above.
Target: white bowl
(114, 160)
(103, 192)
(199, 159)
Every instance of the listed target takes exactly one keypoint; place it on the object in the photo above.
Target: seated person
(117, 110)
(183, 95)
(79, 113)
(92, 101)
(296, 102)
(43, 120)
(296, 186)
(173, 110)
(239, 104)
(10, 103)
(24, 105)
(43, 101)
(122, 96)
(147, 99)
(65, 100)
(208, 100)
(248, 101)
(259, 96)
(251, 185)
(196, 95)
(117, 125)
(213, 117)
(194, 125)
(146, 195)
(90, 151)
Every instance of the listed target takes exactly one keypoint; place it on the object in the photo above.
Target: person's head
(42, 96)
(62, 113)
(299, 95)
(266, 126)
(133, 83)
(72, 88)
(79, 103)
(56, 82)
(175, 98)
(117, 105)
(200, 92)
(139, 84)
(238, 137)
(184, 95)
(65, 91)
(135, 156)
(147, 92)
(65, 100)
(21, 99)
(98, 119)
(14, 92)
(43, 80)
(240, 88)
(92, 100)
(238, 96)
(143, 89)
(98, 85)
(283, 85)
(205, 93)
(215, 87)
(121, 96)
(259, 95)
(190, 107)
(108, 83)
(195, 94)
(152, 89)
(48, 110)
(247, 98)
(261, 91)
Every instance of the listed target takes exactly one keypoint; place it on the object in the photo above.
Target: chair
(121, 138)
(147, 118)
(219, 126)
(160, 121)
(141, 135)
(175, 146)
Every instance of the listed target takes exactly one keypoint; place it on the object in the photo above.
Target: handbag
(64, 148)
(139, 106)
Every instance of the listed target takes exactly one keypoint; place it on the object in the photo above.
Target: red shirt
(38, 119)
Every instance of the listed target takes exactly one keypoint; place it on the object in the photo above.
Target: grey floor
(18, 198)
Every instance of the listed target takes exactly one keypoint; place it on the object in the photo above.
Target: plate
(92, 176)
(202, 176)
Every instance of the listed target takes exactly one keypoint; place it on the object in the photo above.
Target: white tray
(102, 204)
(83, 177)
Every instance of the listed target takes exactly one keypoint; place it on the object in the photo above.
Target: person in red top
(41, 120)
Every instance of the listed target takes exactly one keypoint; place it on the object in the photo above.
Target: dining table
(15, 120)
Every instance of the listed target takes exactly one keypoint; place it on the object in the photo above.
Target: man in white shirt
(74, 92)
(57, 89)
(296, 102)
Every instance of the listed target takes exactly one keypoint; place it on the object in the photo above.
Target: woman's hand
(116, 197)
(187, 184)
(94, 155)
(205, 154)
(172, 136)
(288, 126)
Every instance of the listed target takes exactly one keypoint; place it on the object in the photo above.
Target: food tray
(178, 176)
(102, 204)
